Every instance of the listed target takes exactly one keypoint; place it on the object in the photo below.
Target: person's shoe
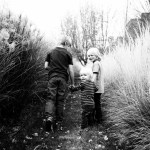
(59, 126)
(49, 124)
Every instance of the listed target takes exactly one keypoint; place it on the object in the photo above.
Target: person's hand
(71, 87)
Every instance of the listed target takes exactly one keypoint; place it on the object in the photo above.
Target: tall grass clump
(126, 97)
(22, 78)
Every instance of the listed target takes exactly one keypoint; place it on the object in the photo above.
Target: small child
(88, 89)
(94, 57)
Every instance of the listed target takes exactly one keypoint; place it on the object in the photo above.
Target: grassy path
(32, 135)
(70, 139)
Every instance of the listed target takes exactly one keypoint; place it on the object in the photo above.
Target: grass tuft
(126, 98)
(22, 75)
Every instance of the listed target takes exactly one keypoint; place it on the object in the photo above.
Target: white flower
(105, 138)
(4, 33)
(1, 37)
(103, 146)
(79, 137)
(97, 146)
(100, 133)
(14, 141)
(28, 138)
(12, 30)
(12, 47)
(35, 134)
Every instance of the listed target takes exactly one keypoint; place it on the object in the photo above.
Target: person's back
(59, 60)
(60, 66)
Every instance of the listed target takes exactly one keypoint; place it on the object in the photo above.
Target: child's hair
(86, 70)
(94, 51)
(65, 41)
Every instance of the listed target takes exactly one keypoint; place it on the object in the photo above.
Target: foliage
(22, 78)
(86, 30)
(30, 134)
(127, 94)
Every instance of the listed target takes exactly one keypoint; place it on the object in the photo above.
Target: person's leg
(50, 104)
(84, 119)
(60, 98)
(91, 116)
(98, 111)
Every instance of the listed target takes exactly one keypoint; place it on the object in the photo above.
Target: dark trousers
(87, 116)
(98, 111)
(56, 94)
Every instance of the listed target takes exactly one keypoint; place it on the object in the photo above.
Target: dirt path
(33, 137)
(70, 139)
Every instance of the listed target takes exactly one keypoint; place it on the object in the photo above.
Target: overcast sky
(46, 15)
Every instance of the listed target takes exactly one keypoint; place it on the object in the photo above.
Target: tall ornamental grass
(127, 97)
(22, 52)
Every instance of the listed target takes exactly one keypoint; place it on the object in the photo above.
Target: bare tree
(90, 30)
(69, 27)
(90, 24)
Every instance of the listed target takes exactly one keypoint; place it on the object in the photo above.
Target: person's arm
(71, 73)
(46, 65)
(75, 88)
(94, 77)
(96, 69)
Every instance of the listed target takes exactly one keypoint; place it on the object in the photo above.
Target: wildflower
(28, 138)
(4, 33)
(67, 131)
(46, 134)
(105, 138)
(35, 134)
(103, 146)
(79, 137)
(100, 133)
(24, 141)
(97, 146)
(1, 37)
(12, 47)
(59, 146)
(15, 129)
(5, 23)
(14, 141)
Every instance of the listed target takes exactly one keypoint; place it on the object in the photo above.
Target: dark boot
(49, 124)
(59, 126)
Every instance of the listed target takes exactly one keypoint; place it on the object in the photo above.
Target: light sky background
(46, 15)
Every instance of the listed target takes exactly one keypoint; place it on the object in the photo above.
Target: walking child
(88, 89)
(59, 64)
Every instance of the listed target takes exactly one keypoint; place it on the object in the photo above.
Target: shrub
(126, 97)
(22, 78)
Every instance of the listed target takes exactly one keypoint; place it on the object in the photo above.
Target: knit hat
(94, 51)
